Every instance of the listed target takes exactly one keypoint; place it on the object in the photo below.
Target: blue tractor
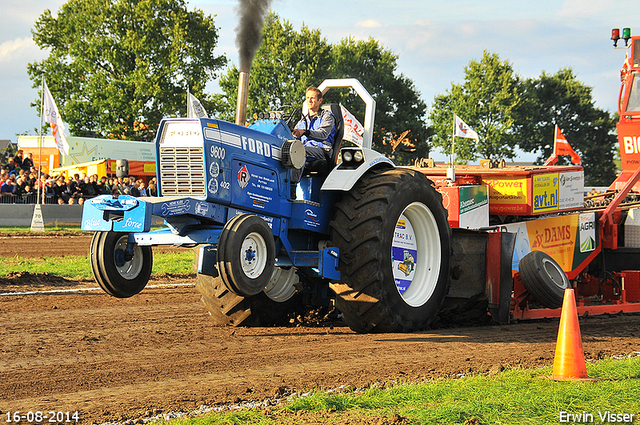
(344, 232)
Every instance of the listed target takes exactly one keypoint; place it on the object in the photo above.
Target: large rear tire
(120, 273)
(395, 248)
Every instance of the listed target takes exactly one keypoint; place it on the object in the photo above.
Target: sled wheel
(119, 273)
(246, 254)
(395, 248)
(94, 260)
(229, 309)
(544, 278)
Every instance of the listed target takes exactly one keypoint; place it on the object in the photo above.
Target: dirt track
(113, 360)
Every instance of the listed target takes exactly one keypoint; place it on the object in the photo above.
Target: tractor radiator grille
(182, 171)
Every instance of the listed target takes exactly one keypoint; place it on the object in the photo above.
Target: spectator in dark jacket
(87, 189)
(17, 159)
(60, 190)
(27, 162)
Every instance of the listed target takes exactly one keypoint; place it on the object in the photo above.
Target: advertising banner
(507, 195)
(545, 192)
(568, 239)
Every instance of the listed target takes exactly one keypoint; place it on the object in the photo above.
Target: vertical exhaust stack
(243, 91)
(248, 39)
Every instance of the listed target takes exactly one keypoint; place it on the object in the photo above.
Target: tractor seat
(323, 167)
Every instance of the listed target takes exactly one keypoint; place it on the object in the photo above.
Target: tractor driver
(316, 131)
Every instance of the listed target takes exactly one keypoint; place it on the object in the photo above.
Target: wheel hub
(252, 255)
(128, 261)
(416, 254)
(119, 257)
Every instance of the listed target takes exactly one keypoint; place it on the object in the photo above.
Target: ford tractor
(356, 228)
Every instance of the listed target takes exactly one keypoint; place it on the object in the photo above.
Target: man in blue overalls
(316, 131)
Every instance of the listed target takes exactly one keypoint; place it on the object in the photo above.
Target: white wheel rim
(416, 254)
(253, 255)
(556, 275)
(127, 269)
(281, 286)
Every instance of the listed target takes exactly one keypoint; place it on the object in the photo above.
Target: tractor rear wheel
(268, 308)
(395, 248)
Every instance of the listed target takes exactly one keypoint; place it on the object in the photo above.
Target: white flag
(52, 116)
(353, 130)
(463, 130)
(195, 108)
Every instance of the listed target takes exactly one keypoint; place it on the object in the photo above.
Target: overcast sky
(434, 40)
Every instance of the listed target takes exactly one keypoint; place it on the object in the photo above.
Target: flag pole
(453, 141)
(40, 141)
(451, 172)
(37, 223)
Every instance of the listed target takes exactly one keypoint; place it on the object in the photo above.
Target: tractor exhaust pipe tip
(243, 90)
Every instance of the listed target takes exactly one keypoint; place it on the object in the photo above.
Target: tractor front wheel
(121, 269)
(246, 254)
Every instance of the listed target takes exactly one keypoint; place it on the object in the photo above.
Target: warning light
(615, 36)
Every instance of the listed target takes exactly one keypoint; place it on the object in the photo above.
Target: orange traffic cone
(569, 363)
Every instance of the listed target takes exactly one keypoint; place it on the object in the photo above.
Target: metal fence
(26, 199)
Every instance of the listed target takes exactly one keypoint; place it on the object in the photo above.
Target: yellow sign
(507, 195)
(556, 236)
(507, 190)
(545, 192)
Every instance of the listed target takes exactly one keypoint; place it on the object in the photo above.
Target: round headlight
(347, 156)
(358, 156)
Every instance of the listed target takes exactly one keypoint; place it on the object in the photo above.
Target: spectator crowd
(19, 184)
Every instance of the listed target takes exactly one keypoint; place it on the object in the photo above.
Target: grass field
(516, 396)
(76, 266)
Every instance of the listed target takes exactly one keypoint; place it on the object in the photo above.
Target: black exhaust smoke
(248, 39)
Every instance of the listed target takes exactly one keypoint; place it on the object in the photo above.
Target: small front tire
(246, 254)
(119, 272)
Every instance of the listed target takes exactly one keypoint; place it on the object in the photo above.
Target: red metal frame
(614, 293)
(628, 297)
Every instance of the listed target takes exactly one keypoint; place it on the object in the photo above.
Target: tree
(288, 62)
(486, 102)
(560, 99)
(398, 104)
(116, 67)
